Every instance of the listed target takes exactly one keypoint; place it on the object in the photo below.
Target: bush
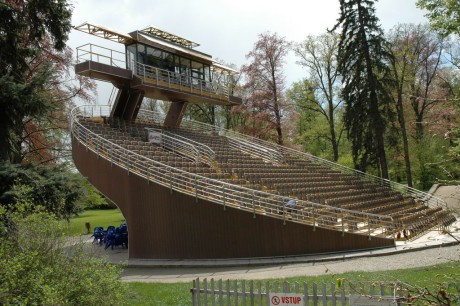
(37, 268)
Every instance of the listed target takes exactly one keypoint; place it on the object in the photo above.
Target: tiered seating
(295, 178)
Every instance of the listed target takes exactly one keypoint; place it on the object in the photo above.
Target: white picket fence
(263, 293)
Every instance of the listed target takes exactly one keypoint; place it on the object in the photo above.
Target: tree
(402, 63)
(444, 15)
(53, 188)
(45, 137)
(24, 26)
(319, 55)
(363, 65)
(265, 81)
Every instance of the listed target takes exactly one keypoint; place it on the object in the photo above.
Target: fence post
(235, 292)
(227, 289)
(198, 292)
(205, 291)
(243, 293)
(193, 291)
(213, 297)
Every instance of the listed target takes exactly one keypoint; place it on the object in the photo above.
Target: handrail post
(196, 189)
(156, 75)
(170, 181)
(224, 195)
(253, 205)
(314, 218)
(369, 225)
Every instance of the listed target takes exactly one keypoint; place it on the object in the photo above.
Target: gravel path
(411, 259)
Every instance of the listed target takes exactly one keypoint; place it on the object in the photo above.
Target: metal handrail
(92, 52)
(225, 193)
(174, 80)
(198, 152)
(265, 153)
(417, 195)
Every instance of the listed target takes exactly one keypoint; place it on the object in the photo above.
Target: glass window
(153, 57)
(185, 66)
(207, 73)
(197, 70)
(131, 56)
(141, 53)
(168, 61)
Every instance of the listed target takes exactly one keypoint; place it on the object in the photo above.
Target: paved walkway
(430, 249)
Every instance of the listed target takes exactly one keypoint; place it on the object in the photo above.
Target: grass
(179, 293)
(96, 217)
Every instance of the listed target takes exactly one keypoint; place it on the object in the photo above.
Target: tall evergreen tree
(363, 64)
(23, 27)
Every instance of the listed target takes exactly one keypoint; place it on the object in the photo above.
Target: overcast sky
(227, 29)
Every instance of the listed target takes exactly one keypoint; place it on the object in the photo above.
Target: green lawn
(96, 217)
(430, 277)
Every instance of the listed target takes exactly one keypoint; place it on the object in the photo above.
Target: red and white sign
(285, 299)
(154, 137)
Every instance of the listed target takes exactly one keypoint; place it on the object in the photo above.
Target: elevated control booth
(156, 64)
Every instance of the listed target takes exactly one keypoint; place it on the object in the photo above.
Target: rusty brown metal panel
(175, 114)
(104, 72)
(165, 225)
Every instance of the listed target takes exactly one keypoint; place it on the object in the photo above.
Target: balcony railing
(150, 75)
(224, 193)
(182, 82)
(95, 53)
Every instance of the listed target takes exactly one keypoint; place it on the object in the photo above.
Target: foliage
(38, 269)
(53, 188)
(444, 15)
(44, 136)
(34, 69)
(312, 129)
(422, 97)
(362, 59)
(91, 198)
(265, 85)
(319, 55)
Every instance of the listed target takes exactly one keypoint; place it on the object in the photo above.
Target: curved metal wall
(171, 225)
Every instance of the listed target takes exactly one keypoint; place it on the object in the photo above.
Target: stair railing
(196, 151)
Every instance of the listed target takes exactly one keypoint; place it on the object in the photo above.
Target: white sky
(226, 29)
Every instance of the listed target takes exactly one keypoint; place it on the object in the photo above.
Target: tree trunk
(4, 145)
(278, 124)
(402, 124)
(335, 146)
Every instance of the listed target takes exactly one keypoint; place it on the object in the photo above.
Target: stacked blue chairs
(116, 236)
(99, 235)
